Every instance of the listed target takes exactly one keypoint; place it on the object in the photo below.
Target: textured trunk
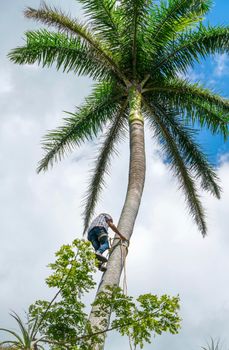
(131, 205)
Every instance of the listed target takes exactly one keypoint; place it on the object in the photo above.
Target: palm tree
(138, 52)
(213, 345)
(25, 340)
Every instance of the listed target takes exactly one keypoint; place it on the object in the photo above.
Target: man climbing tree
(98, 236)
(139, 53)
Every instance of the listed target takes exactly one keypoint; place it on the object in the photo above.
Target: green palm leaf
(19, 339)
(170, 18)
(133, 16)
(83, 125)
(27, 339)
(69, 53)
(189, 48)
(56, 18)
(213, 345)
(193, 157)
(8, 342)
(158, 121)
(102, 17)
(179, 87)
(112, 136)
(195, 103)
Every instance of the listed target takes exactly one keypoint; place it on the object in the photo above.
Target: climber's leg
(104, 244)
(93, 238)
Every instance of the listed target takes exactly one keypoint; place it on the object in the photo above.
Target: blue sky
(214, 73)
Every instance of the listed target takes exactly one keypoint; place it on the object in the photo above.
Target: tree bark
(131, 205)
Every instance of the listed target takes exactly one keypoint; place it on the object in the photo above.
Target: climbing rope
(124, 283)
(123, 263)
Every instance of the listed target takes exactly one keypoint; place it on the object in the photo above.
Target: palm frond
(23, 329)
(209, 117)
(83, 125)
(213, 345)
(166, 22)
(195, 102)
(179, 86)
(190, 48)
(170, 18)
(112, 137)
(158, 121)
(12, 333)
(133, 16)
(34, 326)
(102, 17)
(54, 17)
(69, 53)
(191, 152)
(27, 339)
(8, 342)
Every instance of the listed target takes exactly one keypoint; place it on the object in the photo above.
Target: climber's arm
(114, 228)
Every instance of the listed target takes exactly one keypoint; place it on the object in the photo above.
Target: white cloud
(193, 76)
(168, 255)
(6, 84)
(221, 68)
(34, 66)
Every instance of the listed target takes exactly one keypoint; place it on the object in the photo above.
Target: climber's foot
(102, 268)
(100, 257)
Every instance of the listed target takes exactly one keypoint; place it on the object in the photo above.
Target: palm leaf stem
(144, 81)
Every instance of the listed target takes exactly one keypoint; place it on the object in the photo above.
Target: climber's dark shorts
(98, 236)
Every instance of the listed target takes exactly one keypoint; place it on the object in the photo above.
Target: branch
(101, 332)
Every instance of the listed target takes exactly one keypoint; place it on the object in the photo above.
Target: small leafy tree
(63, 322)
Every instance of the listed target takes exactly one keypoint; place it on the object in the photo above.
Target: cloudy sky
(41, 212)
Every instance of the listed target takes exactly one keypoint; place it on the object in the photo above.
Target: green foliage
(64, 323)
(25, 339)
(103, 19)
(184, 157)
(64, 320)
(115, 132)
(135, 43)
(90, 39)
(99, 108)
(213, 345)
(69, 53)
(195, 103)
(139, 320)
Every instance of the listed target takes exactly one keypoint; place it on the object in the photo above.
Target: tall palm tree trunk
(130, 209)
